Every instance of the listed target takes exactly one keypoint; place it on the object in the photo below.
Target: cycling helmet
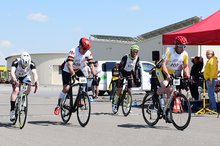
(135, 47)
(180, 40)
(85, 43)
(25, 59)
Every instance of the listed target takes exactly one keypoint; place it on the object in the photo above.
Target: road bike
(124, 99)
(21, 105)
(176, 109)
(80, 104)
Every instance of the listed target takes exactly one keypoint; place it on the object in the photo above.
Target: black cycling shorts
(66, 77)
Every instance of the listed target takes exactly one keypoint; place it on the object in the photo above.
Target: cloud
(5, 44)
(39, 17)
(134, 8)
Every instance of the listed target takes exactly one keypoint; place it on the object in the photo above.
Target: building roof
(166, 29)
(18, 55)
(170, 28)
(113, 38)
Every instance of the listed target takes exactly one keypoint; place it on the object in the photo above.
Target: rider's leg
(15, 90)
(66, 78)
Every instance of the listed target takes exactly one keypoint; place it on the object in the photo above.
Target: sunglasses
(181, 46)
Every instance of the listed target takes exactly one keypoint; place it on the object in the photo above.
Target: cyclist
(20, 72)
(176, 60)
(129, 67)
(73, 66)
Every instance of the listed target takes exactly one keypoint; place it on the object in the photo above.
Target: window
(147, 67)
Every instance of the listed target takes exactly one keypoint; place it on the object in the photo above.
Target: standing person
(194, 76)
(211, 75)
(96, 80)
(73, 66)
(21, 73)
(115, 78)
(129, 67)
(87, 72)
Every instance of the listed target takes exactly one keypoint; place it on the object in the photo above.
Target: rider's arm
(91, 65)
(186, 65)
(13, 70)
(164, 68)
(70, 67)
(13, 77)
(35, 75)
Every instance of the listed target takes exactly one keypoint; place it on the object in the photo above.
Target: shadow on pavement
(7, 125)
(49, 123)
(138, 126)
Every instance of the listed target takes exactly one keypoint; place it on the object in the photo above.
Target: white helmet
(25, 59)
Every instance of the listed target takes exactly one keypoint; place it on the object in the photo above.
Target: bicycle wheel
(22, 111)
(83, 109)
(180, 111)
(66, 110)
(151, 109)
(115, 105)
(126, 103)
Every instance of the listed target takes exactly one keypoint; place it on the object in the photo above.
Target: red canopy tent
(205, 32)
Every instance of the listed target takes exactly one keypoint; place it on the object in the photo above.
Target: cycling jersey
(175, 61)
(77, 58)
(22, 72)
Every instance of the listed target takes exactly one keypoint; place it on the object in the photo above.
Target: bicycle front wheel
(115, 102)
(126, 103)
(22, 111)
(180, 111)
(66, 110)
(151, 109)
(83, 109)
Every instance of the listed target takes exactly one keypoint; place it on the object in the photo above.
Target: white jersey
(22, 72)
(130, 64)
(77, 58)
(175, 61)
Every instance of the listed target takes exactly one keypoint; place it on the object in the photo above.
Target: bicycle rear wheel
(126, 103)
(180, 111)
(83, 109)
(151, 109)
(22, 111)
(66, 110)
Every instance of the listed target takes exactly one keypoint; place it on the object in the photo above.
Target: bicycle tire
(151, 108)
(22, 111)
(115, 107)
(83, 109)
(180, 114)
(65, 109)
(126, 103)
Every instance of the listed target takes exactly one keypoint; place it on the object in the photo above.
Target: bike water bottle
(162, 101)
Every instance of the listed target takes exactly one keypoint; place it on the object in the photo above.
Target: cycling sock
(12, 105)
(61, 96)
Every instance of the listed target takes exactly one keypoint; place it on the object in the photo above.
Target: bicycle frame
(74, 105)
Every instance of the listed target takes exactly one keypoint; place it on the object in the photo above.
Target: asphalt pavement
(45, 129)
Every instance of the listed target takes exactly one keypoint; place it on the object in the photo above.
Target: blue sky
(41, 26)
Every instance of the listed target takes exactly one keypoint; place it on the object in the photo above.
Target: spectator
(95, 82)
(194, 75)
(87, 72)
(115, 78)
(211, 75)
